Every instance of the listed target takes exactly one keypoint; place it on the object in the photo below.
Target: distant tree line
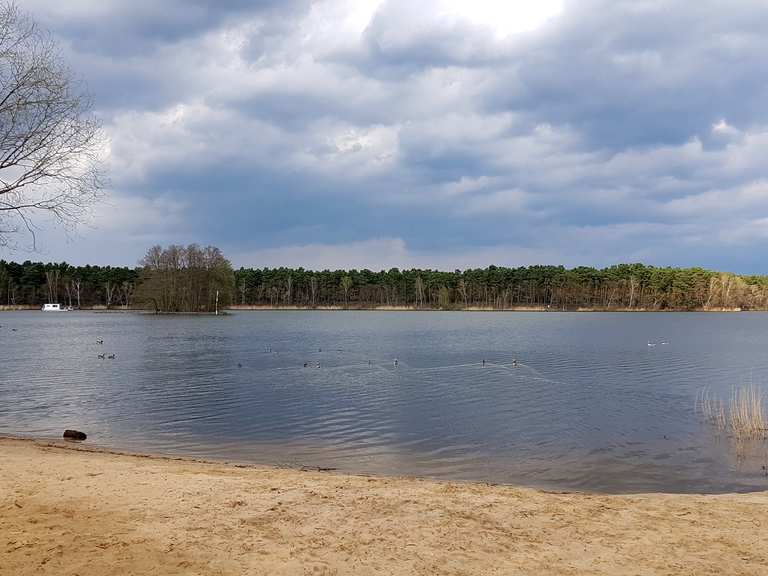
(172, 279)
(34, 283)
(187, 279)
(625, 286)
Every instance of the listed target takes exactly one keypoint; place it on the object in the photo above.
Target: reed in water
(712, 409)
(747, 414)
(743, 416)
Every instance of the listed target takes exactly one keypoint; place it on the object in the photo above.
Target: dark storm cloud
(122, 28)
(396, 131)
(644, 73)
(142, 54)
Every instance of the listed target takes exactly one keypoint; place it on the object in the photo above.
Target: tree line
(172, 279)
(183, 279)
(624, 286)
(34, 283)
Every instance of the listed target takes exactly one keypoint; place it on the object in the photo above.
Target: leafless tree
(126, 293)
(186, 279)
(109, 292)
(346, 285)
(50, 142)
(5, 280)
(76, 284)
(68, 291)
(243, 291)
(419, 292)
(52, 282)
(289, 290)
(313, 289)
(462, 288)
(632, 287)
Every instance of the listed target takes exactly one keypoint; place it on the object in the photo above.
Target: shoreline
(259, 308)
(90, 447)
(84, 510)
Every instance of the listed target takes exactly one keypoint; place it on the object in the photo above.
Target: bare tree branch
(50, 142)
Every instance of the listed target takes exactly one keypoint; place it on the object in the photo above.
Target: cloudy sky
(445, 133)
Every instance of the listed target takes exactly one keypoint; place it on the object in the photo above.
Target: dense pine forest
(34, 283)
(625, 286)
(179, 287)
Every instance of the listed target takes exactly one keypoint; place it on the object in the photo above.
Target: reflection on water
(588, 404)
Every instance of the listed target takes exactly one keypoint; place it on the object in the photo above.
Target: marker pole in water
(217, 302)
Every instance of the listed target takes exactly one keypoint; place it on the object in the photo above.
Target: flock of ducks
(100, 341)
(104, 355)
(268, 350)
(395, 361)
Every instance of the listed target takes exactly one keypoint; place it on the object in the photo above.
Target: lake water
(589, 406)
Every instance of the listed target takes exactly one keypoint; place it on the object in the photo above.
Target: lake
(590, 404)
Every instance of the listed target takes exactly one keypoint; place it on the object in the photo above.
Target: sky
(442, 133)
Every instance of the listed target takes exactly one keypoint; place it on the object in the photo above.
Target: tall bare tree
(419, 291)
(50, 142)
(126, 293)
(52, 283)
(346, 285)
(243, 287)
(76, 286)
(313, 289)
(68, 292)
(109, 291)
(289, 290)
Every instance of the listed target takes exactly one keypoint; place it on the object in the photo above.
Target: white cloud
(504, 18)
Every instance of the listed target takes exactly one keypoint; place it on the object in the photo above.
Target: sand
(74, 512)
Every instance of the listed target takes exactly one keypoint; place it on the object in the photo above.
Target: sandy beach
(68, 511)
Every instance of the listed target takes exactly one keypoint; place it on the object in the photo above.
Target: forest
(172, 279)
(624, 286)
(187, 279)
(34, 283)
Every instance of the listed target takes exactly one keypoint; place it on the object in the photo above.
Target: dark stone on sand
(75, 435)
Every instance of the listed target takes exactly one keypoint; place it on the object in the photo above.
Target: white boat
(53, 308)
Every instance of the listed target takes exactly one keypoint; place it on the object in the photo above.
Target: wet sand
(67, 511)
